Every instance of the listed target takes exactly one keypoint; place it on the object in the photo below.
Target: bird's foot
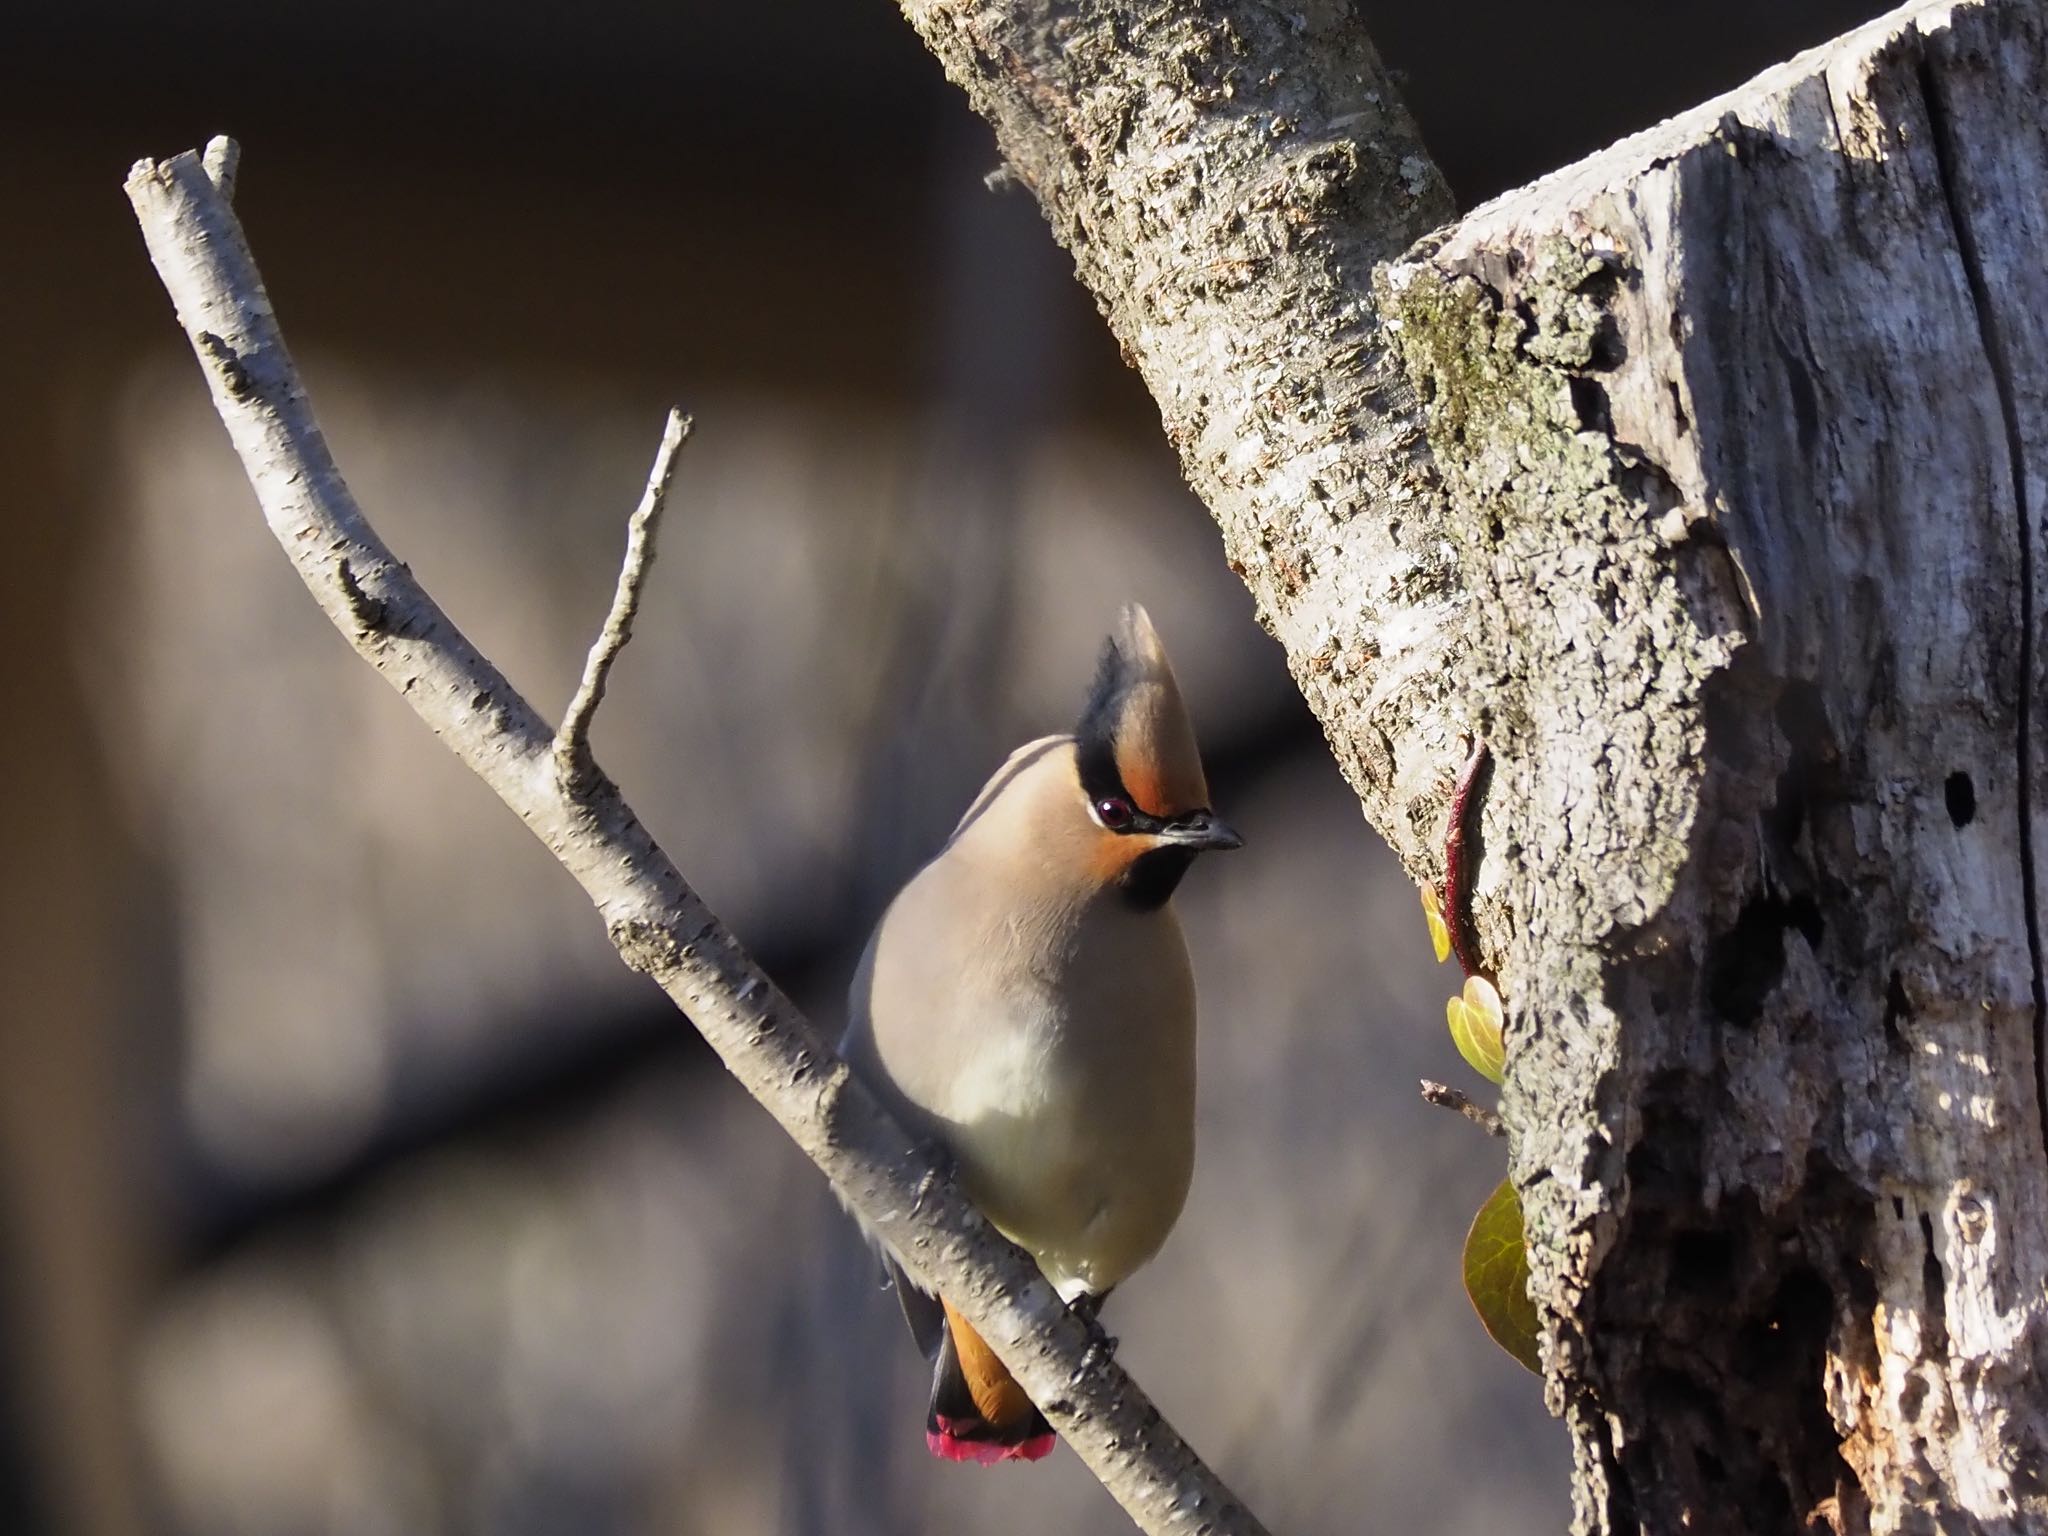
(1102, 1343)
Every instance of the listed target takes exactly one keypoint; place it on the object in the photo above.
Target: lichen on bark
(1590, 638)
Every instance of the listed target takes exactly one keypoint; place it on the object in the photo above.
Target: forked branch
(654, 918)
(573, 760)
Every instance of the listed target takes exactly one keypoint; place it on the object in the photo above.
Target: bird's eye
(1114, 812)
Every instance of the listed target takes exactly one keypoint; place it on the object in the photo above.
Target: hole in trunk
(1745, 963)
(1961, 796)
(1897, 1009)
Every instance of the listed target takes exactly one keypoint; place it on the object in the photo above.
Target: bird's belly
(1055, 1061)
(1086, 1170)
(1089, 1226)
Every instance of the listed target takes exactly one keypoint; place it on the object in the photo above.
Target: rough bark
(1726, 537)
(1735, 421)
(658, 924)
(1226, 175)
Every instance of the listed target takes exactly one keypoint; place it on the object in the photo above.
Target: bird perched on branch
(1027, 1004)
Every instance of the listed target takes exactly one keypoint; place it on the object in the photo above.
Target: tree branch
(1444, 1095)
(573, 761)
(656, 921)
(1226, 176)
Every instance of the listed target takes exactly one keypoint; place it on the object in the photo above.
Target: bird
(1026, 1007)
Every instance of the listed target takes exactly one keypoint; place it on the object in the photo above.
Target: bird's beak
(1200, 830)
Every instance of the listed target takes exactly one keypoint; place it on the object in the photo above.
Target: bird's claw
(1101, 1346)
(1101, 1342)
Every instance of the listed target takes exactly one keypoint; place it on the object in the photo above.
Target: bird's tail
(978, 1411)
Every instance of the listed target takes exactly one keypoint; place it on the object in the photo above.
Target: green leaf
(1475, 1028)
(1497, 1276)
(1433, 916)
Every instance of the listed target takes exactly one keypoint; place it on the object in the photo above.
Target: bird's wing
(921, 1310)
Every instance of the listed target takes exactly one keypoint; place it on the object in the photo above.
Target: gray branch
(573, 760)
(656, 921)
(1447, 1097)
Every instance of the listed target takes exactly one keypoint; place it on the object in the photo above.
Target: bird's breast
(1060, 1074)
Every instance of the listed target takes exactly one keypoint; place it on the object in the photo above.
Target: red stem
(1457, 892)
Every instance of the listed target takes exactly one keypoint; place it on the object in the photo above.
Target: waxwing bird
(1027, 1004)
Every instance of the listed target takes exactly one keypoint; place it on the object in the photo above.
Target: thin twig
(573, 761)
(655, 920)
(1454, 1098)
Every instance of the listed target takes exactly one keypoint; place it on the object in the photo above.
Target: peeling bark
(1737, 465)
(1705, 479)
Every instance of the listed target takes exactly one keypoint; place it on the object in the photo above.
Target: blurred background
(348, 1185)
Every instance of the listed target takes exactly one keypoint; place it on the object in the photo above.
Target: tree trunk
(1725, 537)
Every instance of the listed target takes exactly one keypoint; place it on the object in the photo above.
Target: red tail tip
(948, 1446)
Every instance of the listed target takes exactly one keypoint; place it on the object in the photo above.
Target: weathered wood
(1737, 421)
(1727, 537)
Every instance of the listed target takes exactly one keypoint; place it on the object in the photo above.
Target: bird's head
(1139, 771)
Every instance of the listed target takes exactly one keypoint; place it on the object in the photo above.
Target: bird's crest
(1134, 738)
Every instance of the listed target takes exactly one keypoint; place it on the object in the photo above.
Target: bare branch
(656, 921)
(573, 761)
(1452, 1098)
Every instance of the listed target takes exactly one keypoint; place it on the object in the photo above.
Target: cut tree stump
(1742, 426)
